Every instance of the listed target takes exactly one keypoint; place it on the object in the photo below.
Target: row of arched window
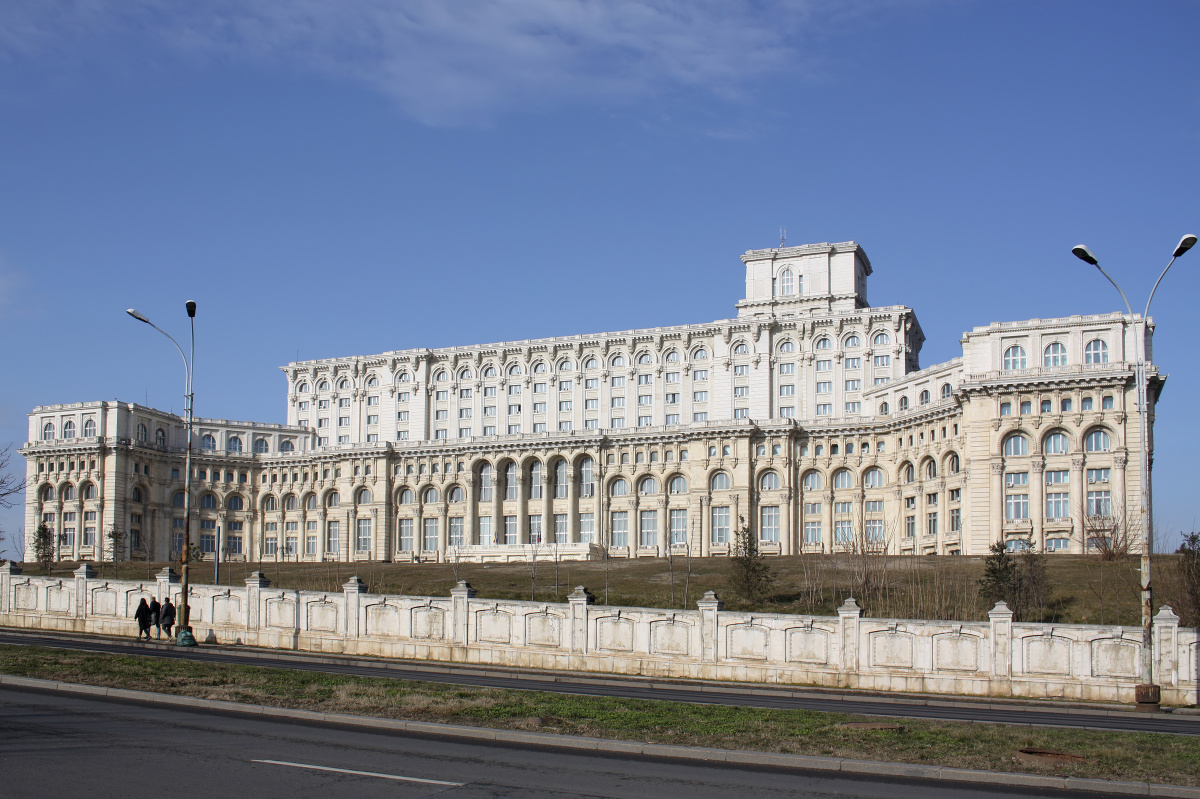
(68, 429)
(1057, 443)
(1055, 354)
(924, 398)
(208, 442)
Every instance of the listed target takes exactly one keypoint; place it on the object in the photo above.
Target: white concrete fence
(997, 657)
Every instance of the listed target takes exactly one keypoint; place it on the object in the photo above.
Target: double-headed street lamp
(1148, 693)
(184, 637)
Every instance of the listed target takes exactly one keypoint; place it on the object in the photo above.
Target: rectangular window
(854, 385)
(648, 528)
(514, 429)
(843, 531)
(332, 534)
(620, 528)
(343, 421)
(323, 404)
(535, 528)
(441, 433)
(910, 526)
(741, 370)
(955, 520)
(464, 432)
(489, 391)
(616, 421)
(854, 363)
(812, 508)
(485, 531)
(591, 382)
(824, 366)
(514, 409)
(768, 524)
(618, 402)
(1016, 479)
(489, 430)
(931, 499)
(1099, 503)
(514, 388)
(879, 381)
(1057, 477)
(699, 396)
(700, 416)
(1106, 403)
(873, 529)
(700, 374)
(787, 411)
(489, 410)
(429, 535)
(539, 388)
(591, 424)
(591, 404)
(561, 534)
(787, 390)
(825, 388)
(910, 502)
(564, 427)
(873, 506)
(955, 494)
(1058, 505)
(824, 410)
(564, 385)
(1016, 507)
(510, 530)
(645, 421)
(672, 377)
(741, 413)
(671, 399)
(464, 393)
(882, 360)
(539, 427)
(322, 423)
(853, 407)
(539, 407)
(564, 406)
(587, 528)
(672, 418)
(310, 545)
(362, 541)
(645, 399)
(403, 396)
(812, 532)
(720, 525)
(931, 523)
(402, 416)
(464, 413)
(270, 545)
(787, 368)
(645, 380)
(679, 527)
(372, 420)
(1096, 475)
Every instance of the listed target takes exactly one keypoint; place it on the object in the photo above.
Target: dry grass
(1082, 589)
(1110, 755)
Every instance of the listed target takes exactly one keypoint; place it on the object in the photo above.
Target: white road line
(361, 773)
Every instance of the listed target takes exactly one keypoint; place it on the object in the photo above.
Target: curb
(672, 751)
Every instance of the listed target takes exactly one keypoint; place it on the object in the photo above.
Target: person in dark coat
(166, 616)
(154, 618)
(142, 615)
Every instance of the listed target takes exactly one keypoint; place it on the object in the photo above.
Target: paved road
(57, 745)
(559, 682)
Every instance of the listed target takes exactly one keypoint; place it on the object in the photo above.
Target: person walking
(154, 617)
(142, 616)
(166, 616)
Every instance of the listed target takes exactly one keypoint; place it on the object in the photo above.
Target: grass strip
(1143, 757)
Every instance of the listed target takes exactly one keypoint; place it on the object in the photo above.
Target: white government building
(807, 419)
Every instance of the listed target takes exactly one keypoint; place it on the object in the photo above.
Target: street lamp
(1148, 694)
(184, 637)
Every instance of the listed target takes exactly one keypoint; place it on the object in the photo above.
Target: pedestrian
(142, 615)
(154, 616)
(166, 616)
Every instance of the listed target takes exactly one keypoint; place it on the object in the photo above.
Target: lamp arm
(1146, 315)
(1128, 307)
(187, 369)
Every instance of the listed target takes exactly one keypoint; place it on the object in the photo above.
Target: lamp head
(1084, 254)
(1185, 244)
(137, 315)
(191, 308)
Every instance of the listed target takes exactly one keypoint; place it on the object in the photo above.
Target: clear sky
(329, 179)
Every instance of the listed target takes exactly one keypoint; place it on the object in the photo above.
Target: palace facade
(806, 420)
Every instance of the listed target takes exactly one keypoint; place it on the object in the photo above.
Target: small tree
(749, 574)
(1032, 585)
(44, 545)
(116, 543)
(1189, 577)
(1000, 580)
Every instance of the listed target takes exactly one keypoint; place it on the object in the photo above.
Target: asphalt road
(57, 745)
(1038, 714)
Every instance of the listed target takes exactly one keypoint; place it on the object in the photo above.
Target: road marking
(361, 773)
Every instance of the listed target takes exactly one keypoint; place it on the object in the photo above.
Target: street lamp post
(1148, 694)
(184, 637)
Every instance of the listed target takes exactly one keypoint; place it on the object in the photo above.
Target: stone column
(578, 601)
(709, 606)
(255, 583)
(1120, 511)
(471, 522)
(548, 535)
(497, 509)
(1001, 639)
(997, 504)
(443, 533)
(460, 612)
(827, 520)
(1078, 494)
(849, 615)
(572, 505)
(354, 589)
(787, 512)
(1037, 503)
(345, 536)
(705, 526)
(522, 505)
(858, 519)
(664, 526)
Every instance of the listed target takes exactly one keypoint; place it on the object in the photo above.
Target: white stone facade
(807, 418)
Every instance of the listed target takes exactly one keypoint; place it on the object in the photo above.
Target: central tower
(805, 280)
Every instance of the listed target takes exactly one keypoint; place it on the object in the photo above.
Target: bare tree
(671, 567)
(1111, 538)
(10, 486)
(687, 552)
(534, 546)
(454, 555)
(116, 542)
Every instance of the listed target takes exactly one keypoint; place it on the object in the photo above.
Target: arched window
(562, 479)
(373, 382)
(884, 409)
(88, 491)
(403, 377)
(619, 487)
(873, 478)
(843, 479)
(207, 442)
(68, 429)
(1057, 444)
(741, 349)
(323, 385)
(440, 376)
(852, 340)
(406, 496)
(310, 503)
(510, 481)
(645, 359)
(233, 444)
(1014, 358)
(566, 366)
(700, 355)
(952, 464)
(302, 388)
(908, 474)
(769, 481)
(48, 494)
(430, 497)
(1096, 351)
(454, 495)
(137, 495)
(672, 357)
(1055, 355)
(947, 390)
(333, 500)
(824, 343)
(270, 503)
(364, 496)
(287, 446)
(208, 501)
(786, 284)
(514, 369)
(485, 483)
(1097, 441)
(587, 478)
(648, 486)
(1016, 444)
(142, 433)
(719, 482)
(160, 437)
(489, 371)
(930, 469)
(89, 428)
(535, 480)
(618, 360)
(903, 404)
(234, 502)
(591, 363)
(924, 397)
(289, 502)
(68, 493)
(677, 485)
(344, 384)
(881, 340)
(787, 346)
(465, 374)
(261, 447)
(813, 482)
(177, 501)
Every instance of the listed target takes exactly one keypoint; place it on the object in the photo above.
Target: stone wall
(993, 658)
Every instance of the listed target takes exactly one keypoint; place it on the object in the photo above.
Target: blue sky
(328, 179)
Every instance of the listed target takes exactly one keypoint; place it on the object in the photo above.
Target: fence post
(166, 578)
(353, 589)
(579, 599)
(1166, 646)
(255, 583)
(460, 612)
(709, 606)
(848, 617)
(84, 573)
(1001, 633)
(7, 571)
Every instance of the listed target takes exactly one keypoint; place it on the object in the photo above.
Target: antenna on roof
(782, 237)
